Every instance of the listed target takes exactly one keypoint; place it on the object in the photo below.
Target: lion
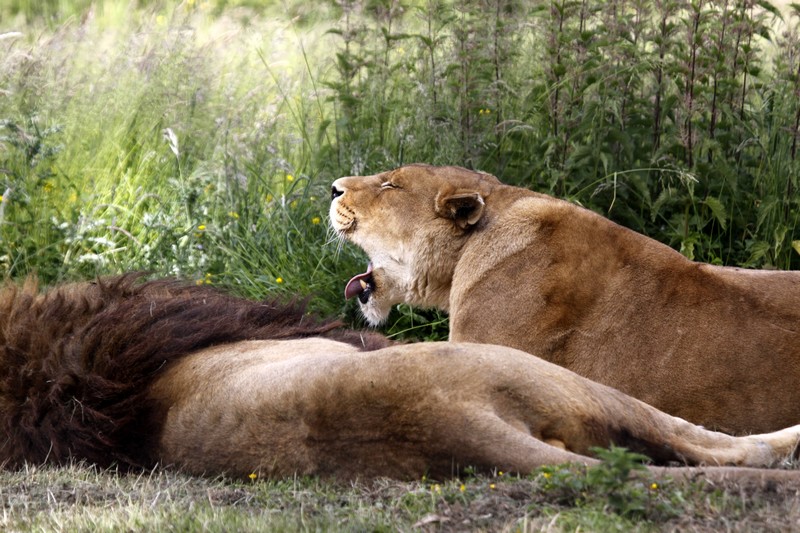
(135, 374)
(718, 346)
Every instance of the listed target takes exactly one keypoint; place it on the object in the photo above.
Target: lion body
(718, 346)
(138, 374)
(321, 407)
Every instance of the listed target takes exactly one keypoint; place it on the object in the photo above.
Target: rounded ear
(465, 209)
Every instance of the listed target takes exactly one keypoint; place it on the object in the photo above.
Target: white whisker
(335, 236)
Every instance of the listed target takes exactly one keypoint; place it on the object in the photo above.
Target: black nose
(335, 193)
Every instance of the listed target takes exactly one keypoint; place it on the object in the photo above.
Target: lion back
(76, 362)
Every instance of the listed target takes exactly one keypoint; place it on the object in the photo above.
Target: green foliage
(125, 128)
(620, 484)
(678, 119)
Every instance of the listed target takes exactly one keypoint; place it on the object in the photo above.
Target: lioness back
(719, 346)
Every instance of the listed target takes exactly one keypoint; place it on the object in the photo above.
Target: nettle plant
(677, 118)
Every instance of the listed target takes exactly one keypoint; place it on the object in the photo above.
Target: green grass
(174, 141)
(79, 498)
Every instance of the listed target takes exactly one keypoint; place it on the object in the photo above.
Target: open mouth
(361, 285)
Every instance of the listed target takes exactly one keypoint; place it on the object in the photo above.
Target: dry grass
(82, 499)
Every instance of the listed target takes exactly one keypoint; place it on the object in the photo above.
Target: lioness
(717, 346)
(136, 374)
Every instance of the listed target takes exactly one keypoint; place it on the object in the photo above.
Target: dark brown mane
(75, 362)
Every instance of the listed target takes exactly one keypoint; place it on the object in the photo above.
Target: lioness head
(411, 222)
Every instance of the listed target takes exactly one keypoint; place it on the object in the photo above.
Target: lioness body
(321, 407)
(715, 345)
(139, 374)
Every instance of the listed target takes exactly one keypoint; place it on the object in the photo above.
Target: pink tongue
(354, 287)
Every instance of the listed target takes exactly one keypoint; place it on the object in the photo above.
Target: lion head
(412, 222)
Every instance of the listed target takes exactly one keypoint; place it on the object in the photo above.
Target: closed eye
(388, 185)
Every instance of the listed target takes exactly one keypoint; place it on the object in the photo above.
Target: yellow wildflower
(654, 486)
(268, 198)
(462, 488)
(201, 227)
(547, 475)
(233, 214)
(278, 280)
(492, 486)
(293, 204)
(289, 177)
(436, 488)
(199, 281)
(316, 220)
(500, 473)
(253, 476)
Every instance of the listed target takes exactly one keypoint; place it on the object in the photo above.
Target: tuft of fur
(76, 362)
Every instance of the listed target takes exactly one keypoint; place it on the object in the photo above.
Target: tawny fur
(134, 374)
(76, 362)
(717, 346)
